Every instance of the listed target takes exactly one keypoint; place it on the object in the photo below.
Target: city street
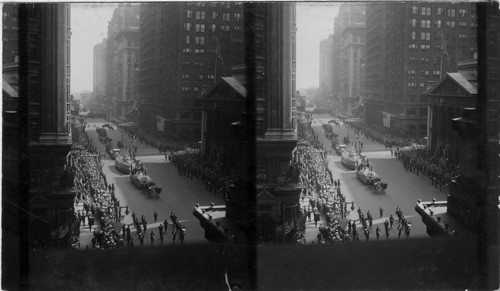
(404, 188)
(179, 193)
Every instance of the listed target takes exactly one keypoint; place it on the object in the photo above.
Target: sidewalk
(85, 233)
(311, 230)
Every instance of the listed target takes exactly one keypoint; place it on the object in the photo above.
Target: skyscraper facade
(348, 54)
(150, 53)
(326, 64)
(100, 68)
(122, 58)
(421, 43)
(200, 42)
(9, 33)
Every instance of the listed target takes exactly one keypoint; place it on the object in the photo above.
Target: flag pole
(441, 65)
(216, 61)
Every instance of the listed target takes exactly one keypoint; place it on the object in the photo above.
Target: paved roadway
(404, 189)
(179, 193)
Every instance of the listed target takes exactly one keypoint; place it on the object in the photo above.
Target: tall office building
(122, 59)
(150, 53)
(348, 54)
(376, 70)
(200, 42)
(416, 44)
(10, 33)
(326, 64)
(100, 68)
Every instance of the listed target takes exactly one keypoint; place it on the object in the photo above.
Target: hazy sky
(314, 23)
(89, 24)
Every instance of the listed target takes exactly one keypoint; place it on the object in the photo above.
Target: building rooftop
(231, 81)
(463, 82)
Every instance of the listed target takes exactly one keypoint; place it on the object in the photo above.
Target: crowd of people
(422, 161)
(93, 189)
(100, 203)
(366, 223)
(383, 135)
(155, 139)
(416, 158)
(217, 178)
(325, 193)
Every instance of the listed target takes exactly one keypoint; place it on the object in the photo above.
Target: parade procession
(103, 220)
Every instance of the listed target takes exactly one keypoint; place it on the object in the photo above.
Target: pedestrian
(377, 232)
(173, 217)
(82, 220)
(400, 228)
(387, 234)
(155, 215)
(182, 234)
(165, 225)
(381, 210)
(141, 238)
(367, 234)
(316, 218)
(391, 220)
(91, 222)
(407, 232)
(152, 235)
(160, 228)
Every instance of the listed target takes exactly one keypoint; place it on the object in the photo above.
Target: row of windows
(211, 27)
(437, 23)
(197, 77)
(423, 73)
(450, 11)
(422, 47)
(195, 51)
(213, 4)
(414, 85)
(423, 35)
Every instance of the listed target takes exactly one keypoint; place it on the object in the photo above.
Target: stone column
(55, 70)
(279, 71)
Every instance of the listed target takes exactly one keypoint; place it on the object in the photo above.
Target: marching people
(161, 236)
(165, 225)
(160, 229)
(141, 238)
(152, 235)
